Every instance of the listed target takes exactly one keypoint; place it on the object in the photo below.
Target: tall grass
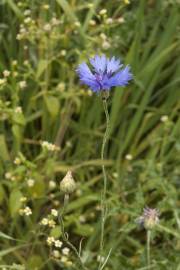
(142, 154)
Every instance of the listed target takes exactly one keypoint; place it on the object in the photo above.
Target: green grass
(58, 109)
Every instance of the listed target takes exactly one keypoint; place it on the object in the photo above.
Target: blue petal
(121, 78)
(87, 77)
(113, 65)
(99, 63)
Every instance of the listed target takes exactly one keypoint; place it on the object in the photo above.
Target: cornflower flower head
(106, 73)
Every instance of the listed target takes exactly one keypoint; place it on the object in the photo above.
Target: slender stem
(103, 196)
(65, 235)
(148, 248)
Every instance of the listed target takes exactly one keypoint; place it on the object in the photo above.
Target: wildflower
(14, 62)
(27, 12)
(103, 11)
(27, 20)
(23, 199)
(50, 240)
(47, 27)
(127, 2)
(17, 161)
(65, 251)
(92, 22)
(52, 184)
(8, 175)
(46, 6)
(106, 45)
(58, 243)
(120, 20)
(6, 73)
(63, 52)
(55, 21)
(164, 118)
(30, 182)
(100, 258)
(129, 157)
(22, 84)
(2, 81)
(44, 221)
(26, 211)
(18, 109)
(49, 146)
(51, 223)
(103, 36)
(149, 218)
(77, 24)
(54, 212)
(68, 185)
(107, 72)
(109, 20)
(56, 253)
(90, 5)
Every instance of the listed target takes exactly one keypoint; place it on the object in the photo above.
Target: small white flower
(30, 182)
(51, 223)
(6, 73)
(8, 175)
(164, 118)
(56, 253)
(109, 20)
(27, 20)
(106, 45)
(18, 109)
(54, 212)
(120, 20)
(22, 84)
(2, 81)
(44, 221)
(129, 157)
(27, 12)
(77, 24)
(50, 240)
(23, 199)
(92, 22)
(58, 243)
(46, 6)
(65, 251)
(52, 184)
(17, 161)
(103, 11)
(47, 27)
(63, 52)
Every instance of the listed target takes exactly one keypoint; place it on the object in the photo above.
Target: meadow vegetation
(51, 124)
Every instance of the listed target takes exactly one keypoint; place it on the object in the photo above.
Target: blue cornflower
(106, 73)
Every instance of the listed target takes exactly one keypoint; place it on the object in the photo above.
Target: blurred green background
(41, 100)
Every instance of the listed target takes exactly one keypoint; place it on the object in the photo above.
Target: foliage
(51, 124)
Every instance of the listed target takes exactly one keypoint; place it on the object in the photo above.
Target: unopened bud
(68, 185)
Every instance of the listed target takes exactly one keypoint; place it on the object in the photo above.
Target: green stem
(103, 198)
(148, 248)
(65, 236)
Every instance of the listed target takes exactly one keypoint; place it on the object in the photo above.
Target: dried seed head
(68, 185)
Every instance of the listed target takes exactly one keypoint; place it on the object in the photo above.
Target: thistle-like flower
(149, 218)
(106, 73)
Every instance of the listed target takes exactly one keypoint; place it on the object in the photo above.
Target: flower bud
(68, 185)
